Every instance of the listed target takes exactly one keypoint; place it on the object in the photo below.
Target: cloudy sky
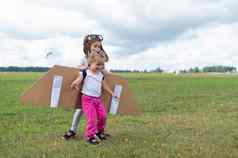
(141, 34)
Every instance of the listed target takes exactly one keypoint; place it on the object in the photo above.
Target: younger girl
(91, 43)
(92, 103)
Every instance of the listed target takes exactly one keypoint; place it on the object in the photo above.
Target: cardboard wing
(53, 89)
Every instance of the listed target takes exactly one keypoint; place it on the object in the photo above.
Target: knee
(103, 116)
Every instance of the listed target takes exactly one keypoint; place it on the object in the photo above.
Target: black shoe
(102, 136)
(93, 141)
(70, 134)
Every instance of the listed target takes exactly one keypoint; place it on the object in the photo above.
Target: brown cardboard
(40, 92)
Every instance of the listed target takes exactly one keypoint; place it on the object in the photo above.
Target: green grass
(183, 116)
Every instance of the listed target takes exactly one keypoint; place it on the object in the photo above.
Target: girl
(92, 103)
(91, 43)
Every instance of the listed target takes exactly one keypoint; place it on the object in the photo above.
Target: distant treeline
(154, 70)
(219, 68)
(43, 69)
(23, 69)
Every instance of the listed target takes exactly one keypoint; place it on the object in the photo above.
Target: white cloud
(211, 45)
(138, 34)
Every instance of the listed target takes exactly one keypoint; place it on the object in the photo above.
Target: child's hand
(115, 96)
(95, 50)
(102, 54)
(75, 85)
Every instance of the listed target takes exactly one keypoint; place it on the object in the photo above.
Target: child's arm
(75, 84)
(83, 64)
(83, 67)
(107, 88)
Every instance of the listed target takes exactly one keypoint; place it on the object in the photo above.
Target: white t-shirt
(92, 84)
(83, 61)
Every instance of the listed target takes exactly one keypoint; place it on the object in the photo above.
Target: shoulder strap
(84, 71)
(103, 74)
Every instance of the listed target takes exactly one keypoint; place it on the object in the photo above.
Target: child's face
(95, 47)
(97, 65)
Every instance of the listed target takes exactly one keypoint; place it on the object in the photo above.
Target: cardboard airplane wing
(53, 89)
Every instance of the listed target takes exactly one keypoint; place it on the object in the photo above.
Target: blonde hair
(94, 57)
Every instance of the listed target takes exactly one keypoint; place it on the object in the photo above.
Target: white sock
(76, 118)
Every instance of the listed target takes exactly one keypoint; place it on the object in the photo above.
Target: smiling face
(95, 47)
(96, 62)
(97, 65)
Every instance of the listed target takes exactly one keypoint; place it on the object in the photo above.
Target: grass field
(183, 116)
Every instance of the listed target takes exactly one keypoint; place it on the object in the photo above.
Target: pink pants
(95, 113)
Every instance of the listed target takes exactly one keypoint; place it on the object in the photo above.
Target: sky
(138, 35)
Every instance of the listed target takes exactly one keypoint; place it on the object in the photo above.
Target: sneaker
(70, 134)
(93, 141)
(102, 136)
